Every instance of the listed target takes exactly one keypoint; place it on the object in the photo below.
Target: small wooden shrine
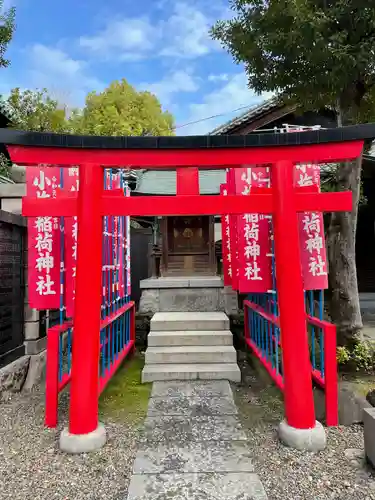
(187, 246)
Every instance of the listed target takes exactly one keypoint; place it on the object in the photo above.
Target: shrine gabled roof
(248, 116)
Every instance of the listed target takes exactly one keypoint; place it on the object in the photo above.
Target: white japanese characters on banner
(43, 241)
(127, 247)
(311, 231)
(254, 242)
(225, 242)
(71, 185)
(232, 243)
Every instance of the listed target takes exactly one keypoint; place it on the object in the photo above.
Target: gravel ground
(32, 467)
(339, 472)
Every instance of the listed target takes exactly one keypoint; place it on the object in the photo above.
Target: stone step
(185, 338)
(213, 371)
(191, 406)
(183, 321)
(209, 456)
(197, 486)
(191, 354)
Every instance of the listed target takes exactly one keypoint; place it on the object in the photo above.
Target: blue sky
(75, 46)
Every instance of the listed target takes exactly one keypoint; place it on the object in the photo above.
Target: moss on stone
(126, 397)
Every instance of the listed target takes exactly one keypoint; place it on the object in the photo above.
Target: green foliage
(329, 181)
(5, 166)
(360, 357)
(7, 27)
(317, 52)
(37, 111)
(118, 110)
(121, 110)
(342, 355)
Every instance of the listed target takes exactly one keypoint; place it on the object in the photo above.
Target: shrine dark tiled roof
(249, 115)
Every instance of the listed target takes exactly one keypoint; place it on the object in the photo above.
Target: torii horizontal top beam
(30, 148)
(209, 158)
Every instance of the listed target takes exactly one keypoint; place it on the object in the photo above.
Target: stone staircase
(190, 346)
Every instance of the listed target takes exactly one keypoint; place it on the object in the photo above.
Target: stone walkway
(193, 447)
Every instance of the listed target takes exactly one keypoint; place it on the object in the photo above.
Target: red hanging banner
(225, 242)
(121, 257)
(44, 239)
(311, 231)
(70, 184)
(254, 244)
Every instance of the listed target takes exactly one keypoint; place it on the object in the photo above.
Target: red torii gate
(185, 154)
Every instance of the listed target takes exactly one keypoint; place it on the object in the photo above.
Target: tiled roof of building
(248, 115)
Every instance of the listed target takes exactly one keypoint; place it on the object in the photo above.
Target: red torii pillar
(282, 201)
(84, 388)
(300, 429)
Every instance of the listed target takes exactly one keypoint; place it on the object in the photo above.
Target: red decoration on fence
(311, 233)
(70, 184)
(225, 242)
(255, 273)
(43, 241)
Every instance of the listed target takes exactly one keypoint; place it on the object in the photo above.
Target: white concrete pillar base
(303, 439)
(83, 443)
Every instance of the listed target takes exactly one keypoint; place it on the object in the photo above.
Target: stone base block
(83, 443)
(188, 299)
(13, 375)
(37, 370)
(303, 439)
(32, 330)
(35, 346)
(351, 404)
(369, 434)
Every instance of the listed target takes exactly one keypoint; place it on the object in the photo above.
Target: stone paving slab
(207, 486)
(206, 456)
(209, 389)
(182, 429)
(196, 406)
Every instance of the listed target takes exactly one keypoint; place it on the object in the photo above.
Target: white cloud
(188, 30)
(173, 83)
(132, 37)
(184, 34)
(222, 77)
(223, 102)
(64, 76)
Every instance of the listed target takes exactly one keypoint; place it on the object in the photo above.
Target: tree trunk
(344, 301)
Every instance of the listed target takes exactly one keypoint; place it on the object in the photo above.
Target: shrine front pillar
(300, 429)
